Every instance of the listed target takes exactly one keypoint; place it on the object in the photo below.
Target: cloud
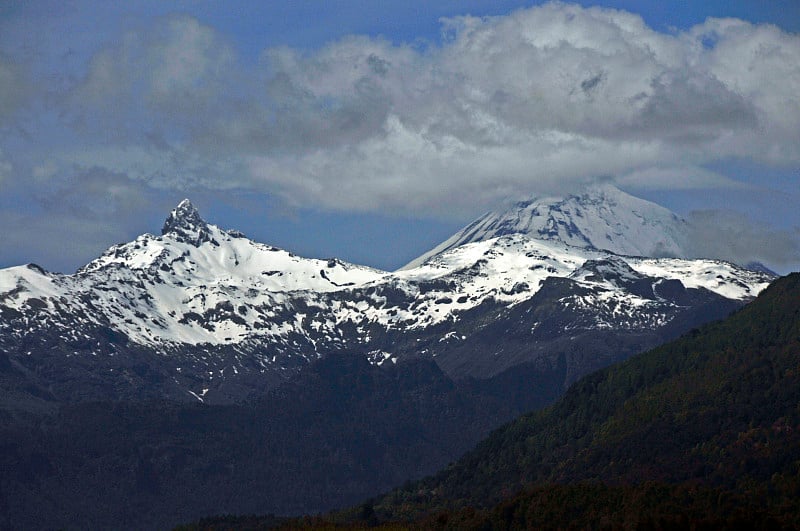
(676, 178)
(56, 245)
(403, 170)
(67, 217)
(172, 78)
(732, 236)
(541, 100)
(95, 194)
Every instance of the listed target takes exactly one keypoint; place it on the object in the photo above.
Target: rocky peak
(611, 269)
(185, 224)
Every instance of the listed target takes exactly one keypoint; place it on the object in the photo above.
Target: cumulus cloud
(540, 100)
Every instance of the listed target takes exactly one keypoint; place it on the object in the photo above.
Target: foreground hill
(704, 431)
(717, 409)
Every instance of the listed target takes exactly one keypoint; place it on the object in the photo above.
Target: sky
(371, 131)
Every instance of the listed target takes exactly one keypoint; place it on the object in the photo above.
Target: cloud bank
(542, 99)
(731, 236)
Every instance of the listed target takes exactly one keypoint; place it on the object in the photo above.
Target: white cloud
(553, 95)
(422, 171)
(539, 100)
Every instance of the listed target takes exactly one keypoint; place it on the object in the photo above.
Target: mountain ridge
(702, 432)
(716, 408)
(202, 306)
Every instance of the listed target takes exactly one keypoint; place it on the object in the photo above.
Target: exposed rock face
(185, 224)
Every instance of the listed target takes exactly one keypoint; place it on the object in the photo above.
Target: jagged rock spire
(185, 224)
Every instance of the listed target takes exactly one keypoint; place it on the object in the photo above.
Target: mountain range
(204, 314)
(197, 372)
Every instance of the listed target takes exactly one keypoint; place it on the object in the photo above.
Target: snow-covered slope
(200, 303)
(512, 268)
(603, 217)
(156, 288)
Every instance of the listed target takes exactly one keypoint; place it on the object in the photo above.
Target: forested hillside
(341, 431)
(718, 409)
(703, 431)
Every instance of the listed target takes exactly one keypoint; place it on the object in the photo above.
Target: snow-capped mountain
(206, 313)
(195, 268)
(602, 217)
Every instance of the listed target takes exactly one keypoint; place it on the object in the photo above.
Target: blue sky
(371, 130)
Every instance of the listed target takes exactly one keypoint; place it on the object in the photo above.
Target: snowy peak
(191, 251)
(602, 217)
(186, 225)
(194, 284)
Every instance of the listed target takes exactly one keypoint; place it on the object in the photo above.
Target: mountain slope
(192, 267)
(337, 432)
(717, 408)
(602, 217)
(383, 375)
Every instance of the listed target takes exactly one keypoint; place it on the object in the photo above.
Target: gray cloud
(698, 109)
(5, 167)
(64, 218)
(732, 236)
(97, 195)
(56, 242)
(539, 100)
(676, 177)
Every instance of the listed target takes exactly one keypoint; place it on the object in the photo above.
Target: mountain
(204, 314)
(702, 422)
(199, 372)
(602, 217)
